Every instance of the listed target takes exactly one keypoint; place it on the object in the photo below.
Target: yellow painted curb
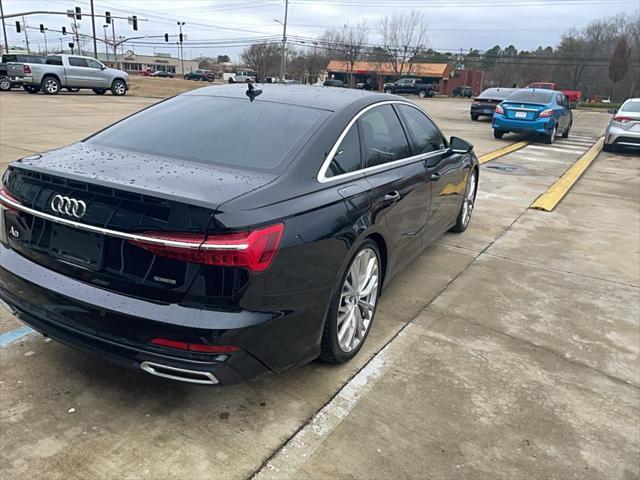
(502, 151)
(549, 199)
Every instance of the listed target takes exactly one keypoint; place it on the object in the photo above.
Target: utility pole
(4, 29)
(283, 66)
(61, 46)
(180, 24)
(93, 25)
(26, 37)
(115, 48)
(106, 45)
(46, 48)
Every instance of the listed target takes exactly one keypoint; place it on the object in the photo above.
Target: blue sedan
(534, 110)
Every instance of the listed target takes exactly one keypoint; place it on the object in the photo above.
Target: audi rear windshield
(233, 132)
(531, 95)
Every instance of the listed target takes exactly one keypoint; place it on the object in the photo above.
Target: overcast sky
(452, 24)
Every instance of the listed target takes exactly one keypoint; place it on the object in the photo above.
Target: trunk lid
(129, 193)
(522, 111)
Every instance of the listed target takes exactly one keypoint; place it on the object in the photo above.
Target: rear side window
(383, 138)
(78, 62)
(425, 134)
(631, 107)
(226, 131)
(530, 96)
(347, 157)
(54, 61)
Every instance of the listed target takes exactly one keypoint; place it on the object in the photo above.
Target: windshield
(531, 96)
(233, 132)
(631, 107)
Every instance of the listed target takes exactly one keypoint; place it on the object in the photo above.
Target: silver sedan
(624, 128)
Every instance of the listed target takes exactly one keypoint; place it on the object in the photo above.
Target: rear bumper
(120, 328)
(542, 126)
(482, 111)
(622, 137)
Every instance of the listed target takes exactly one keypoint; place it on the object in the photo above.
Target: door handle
(392, 197)
(435, 177)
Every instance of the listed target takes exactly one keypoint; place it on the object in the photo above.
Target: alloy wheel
(469, 200)
(358, 300)
(119, 88)
(5, 84)
(51, 86)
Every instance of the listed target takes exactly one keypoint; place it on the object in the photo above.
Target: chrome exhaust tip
(180, 374)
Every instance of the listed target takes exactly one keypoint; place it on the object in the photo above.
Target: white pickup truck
(71, 72)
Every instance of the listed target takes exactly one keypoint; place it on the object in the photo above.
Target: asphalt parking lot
(510, 351)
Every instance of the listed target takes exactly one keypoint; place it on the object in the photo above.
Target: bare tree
(263, 58)
(619, 65)
(404, 36)
(348, 44)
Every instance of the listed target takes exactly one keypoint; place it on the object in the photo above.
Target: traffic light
(134, 21)
(64, 30)
(166, 37)
(41, 28)
(78, 13)
(107, 17)
(180, 37)
(18, 29)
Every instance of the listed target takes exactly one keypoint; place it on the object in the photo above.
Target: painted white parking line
(303, 444)
(557, 149)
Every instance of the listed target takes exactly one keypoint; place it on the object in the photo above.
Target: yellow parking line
(549, 199)
(502, 151)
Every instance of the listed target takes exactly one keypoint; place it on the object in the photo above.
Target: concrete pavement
(517, 357)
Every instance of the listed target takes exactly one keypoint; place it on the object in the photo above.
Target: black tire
(99, 91)
(50, 85)
(463, 220)
(31, 88)
(498, 134)
(608, 147)
(388, 90)
(72, 89)
(5, 84)
(330, 348)
(422, 93)
(118, 87)
(565, 134)
(474, 117)
(549, 139)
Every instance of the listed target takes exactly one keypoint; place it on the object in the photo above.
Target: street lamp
(106, 45)
(283, 65)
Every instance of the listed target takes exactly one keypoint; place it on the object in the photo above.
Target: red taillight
(622, 118)
(546, 113)
(499, 109)
(26, 69)
(7, 195)
(194, 347)
(252, 250)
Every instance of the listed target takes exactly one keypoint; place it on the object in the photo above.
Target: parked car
(162, 74)
(10, 79)
(410, 85)
(200, 75)
(334, 83)
(256, 253)
(572, 95)
(544, 112)
(484, 105)
(624, 128)
(147, 72)
(465, 92)
(239, 77)
(72, 72)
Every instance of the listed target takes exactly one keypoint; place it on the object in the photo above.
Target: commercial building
(379, 73)
(134, 63)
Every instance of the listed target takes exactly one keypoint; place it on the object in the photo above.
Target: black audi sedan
(229, 231)
(484, 105)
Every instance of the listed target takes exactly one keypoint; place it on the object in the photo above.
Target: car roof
(311, 96)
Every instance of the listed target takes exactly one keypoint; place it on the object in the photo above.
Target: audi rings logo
(68, 206)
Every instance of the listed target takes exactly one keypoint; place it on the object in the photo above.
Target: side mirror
(458, 145)
(103, 67)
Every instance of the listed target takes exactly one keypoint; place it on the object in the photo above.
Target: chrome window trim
(322, 178)
(8, 202)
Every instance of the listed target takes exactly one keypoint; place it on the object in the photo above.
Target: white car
(624, 127)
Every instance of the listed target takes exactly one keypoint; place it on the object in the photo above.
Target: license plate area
(84, 249)
(521, 114)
